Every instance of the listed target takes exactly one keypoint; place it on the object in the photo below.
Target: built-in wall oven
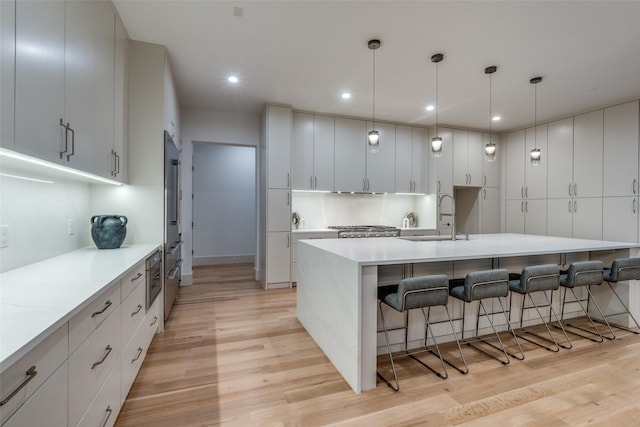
(154, 278)
(172, 235)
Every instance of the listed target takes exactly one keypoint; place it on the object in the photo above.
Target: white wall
(37, 215)
(206, 125)
(224, 204)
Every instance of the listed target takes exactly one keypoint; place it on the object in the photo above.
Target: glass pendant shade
(490, 151)
(436, 146)
(374, 141)
(535, 156)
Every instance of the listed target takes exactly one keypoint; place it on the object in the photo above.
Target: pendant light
(490, 147)
(436, 142)
(535, 151)
(374, 136)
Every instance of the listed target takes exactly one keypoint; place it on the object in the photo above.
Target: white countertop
(37, 299)
(396, 250)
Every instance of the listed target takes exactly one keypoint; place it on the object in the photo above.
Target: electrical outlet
(4, 236)
(70, 227)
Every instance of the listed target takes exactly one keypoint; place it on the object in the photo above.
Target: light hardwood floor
(233, 354)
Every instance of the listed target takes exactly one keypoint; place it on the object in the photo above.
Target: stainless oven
(154, 277)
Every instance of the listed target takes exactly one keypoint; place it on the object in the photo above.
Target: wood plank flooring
(235, 355)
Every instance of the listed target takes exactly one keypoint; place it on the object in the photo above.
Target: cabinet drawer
(104, 409)
(132, 313)
(46, 357)
(47, 406)
(132, 280)
(91, 363)
(85, 322)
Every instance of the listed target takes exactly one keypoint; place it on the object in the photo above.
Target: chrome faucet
(452, 214)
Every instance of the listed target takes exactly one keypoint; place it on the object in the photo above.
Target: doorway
(224, 203)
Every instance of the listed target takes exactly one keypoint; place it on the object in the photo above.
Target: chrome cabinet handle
(570, 190)
(287, 198)
(522, 192)
(109, 412)
(315, 182)
(484, 180)
(438, 186)
(31, 374)
(137, 311)
(139, 275)
(288, 180)
(635, 185)
(140, 350)
(73, 142)
(117, 164)
(526, 192)
(522, 206)
(100, 362)
(66, 138)
(484, 194)
(575, 206)
(113, 165)
(569, 206)
(575, 189)
(526, 206)
(367, 184)
(634, 205)
(288, 240)
(155, 320)
(106, 305)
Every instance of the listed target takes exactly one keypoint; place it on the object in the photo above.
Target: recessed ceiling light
(346, 95)
(233, 79)
(496, 118)
(430, 107)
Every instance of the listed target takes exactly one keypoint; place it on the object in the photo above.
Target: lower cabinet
(489, 210)
(575, 217)
(105, 407)
(299, 235)
(620, 219)
(278, 259)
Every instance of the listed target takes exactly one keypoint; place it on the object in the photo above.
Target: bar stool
(413, 293)
(538, 279)
(623, 269)
(583, 274)
(478, 286)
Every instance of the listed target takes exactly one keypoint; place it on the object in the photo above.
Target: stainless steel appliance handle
(174, 269)
(101, 361)
(106, 305)
(174, 248)
(31, 374)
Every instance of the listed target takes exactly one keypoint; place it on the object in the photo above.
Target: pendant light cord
(374, 89)
(437, 107)
(535, 116)
(490, 104)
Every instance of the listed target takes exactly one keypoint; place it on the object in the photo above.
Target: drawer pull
(139, 275)
(109, 412)
(140, 350)
(137, 311)
(106, 305)
(155, 320)
(31, 374)
(108, 348)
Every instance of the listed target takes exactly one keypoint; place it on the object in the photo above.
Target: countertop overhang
(37, 299)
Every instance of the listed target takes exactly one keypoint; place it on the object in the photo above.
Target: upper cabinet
(621, 150)
(7, 70)
(587, 154)
(65, 76)
(467, 158)
(441, 166)
(278, 128)
(535, 173)
(350, 146)
(120, 105)
(381, 165)
(491, 167)
(410, 175)
(312, 166)
(560, 158)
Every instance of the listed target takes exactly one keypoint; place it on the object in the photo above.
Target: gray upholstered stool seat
(538, 279)
(623, 269)
(583, 274)
(478, 286)
(416, 293)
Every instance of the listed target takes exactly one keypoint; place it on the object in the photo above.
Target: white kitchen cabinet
(515, 165)
(621, 129)
(410, 176)
(47, 406)
(420, 163)
(514, 216)
(575, 217)
(119, 159)
(491, 168)
(278, 210)
(490, 210)
(526, 216)
(278, 129)
(620, 219)
(105, 407)
(560, 159)
(535, 186)
(381, 166)
(299, 235)
(560, 217)
(350, 146)
(442, 165)
(588, 154)
(278, 258)
(7, 73)
(312, 166)
(467, 158)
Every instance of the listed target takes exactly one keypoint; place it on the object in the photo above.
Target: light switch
(4, 236)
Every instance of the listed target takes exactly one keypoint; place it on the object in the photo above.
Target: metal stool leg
(627, 312)
(393, 366)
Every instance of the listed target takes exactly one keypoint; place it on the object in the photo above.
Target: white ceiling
(306, 53)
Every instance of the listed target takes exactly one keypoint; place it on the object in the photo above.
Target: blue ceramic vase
(108, 231)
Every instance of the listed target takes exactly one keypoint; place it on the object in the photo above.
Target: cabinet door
(536, 174)
(105, 407)
(419, 166)
(89, 84)
(490, 210)
(515, 166)
(560, 159)
(491, 168)
(404, 159)
(535, 217)
(587, 154)
(350, 154)
(587, 218)
(278, 210)
(323, 152)
(621, 150)
(48, 405)
(620, 219)
(560, 217)
(381, 166)
(302, 152)
(39, 78)
(278, 257)
(120, 103)
(443, 165)
(7, 71)
(460, 150)
(278, 146)
(514, 216)
(475, 158)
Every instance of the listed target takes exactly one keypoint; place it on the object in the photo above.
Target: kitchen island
(338, 279)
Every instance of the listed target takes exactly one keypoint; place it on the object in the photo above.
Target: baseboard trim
(216, 260)
(186, 280)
